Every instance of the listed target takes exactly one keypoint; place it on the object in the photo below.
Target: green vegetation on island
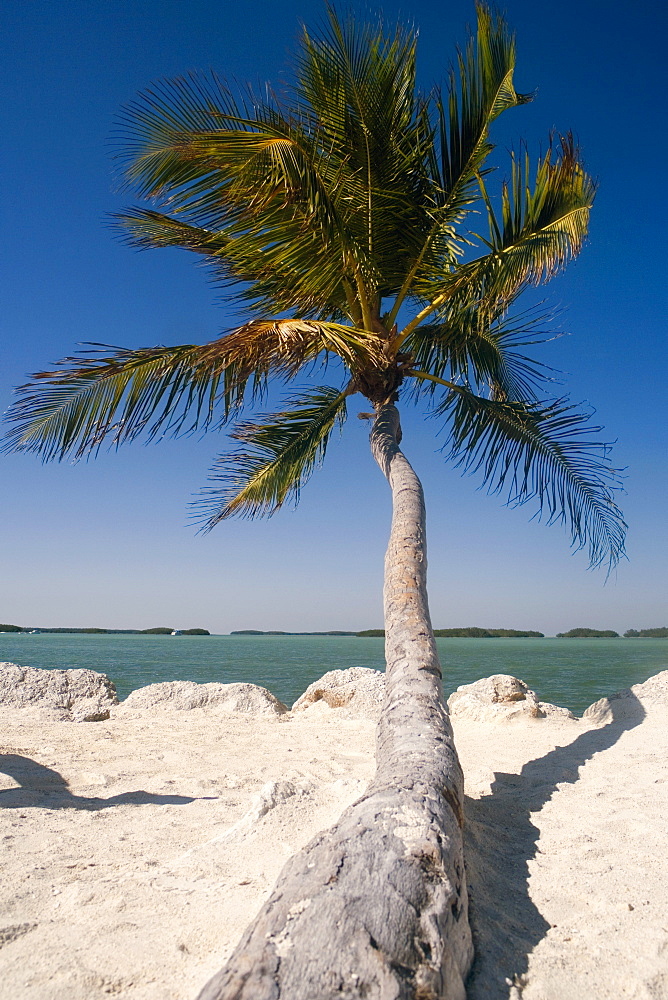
(468, 633)
(647, 633)
(588, 633)
(163, 630)
(254, 631)
(486, 633)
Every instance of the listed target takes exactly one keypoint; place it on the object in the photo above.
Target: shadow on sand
(500, 842)
(43, 788)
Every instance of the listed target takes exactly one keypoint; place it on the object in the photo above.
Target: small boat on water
(177, 631)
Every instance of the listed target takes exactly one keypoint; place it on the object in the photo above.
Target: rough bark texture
(376, 907)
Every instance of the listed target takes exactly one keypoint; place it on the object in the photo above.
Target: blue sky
(108, 542)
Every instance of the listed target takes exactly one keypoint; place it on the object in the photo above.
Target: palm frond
(480, 89)
(99, 395)
(334, 174)
(358, 84)
(145, 228)
(279, 453)
(472, 348)
(542, 226)
(547, 452)
(246, 171)
(259, 162)
(458, 129)
(280, 268)
(167, 390)
(154, 126)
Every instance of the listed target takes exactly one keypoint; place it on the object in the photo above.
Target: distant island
(588, 633)
(254, 631)
(647, 633)
(512, 633)
(468, 633)
(471, 632)
(442, 633)
(161, 630)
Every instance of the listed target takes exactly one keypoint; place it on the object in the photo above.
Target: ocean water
(568, 672)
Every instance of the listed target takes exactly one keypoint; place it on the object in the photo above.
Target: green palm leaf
(279, 454)
(167, 390)
(458, 125)
(480, 89)
(88, 399)
(545, 452)
(274, 266)
(470, 347)
(542, 227)
(156, 125)
(335, 175)
(249, 172)
(144, 227)
(360, 85)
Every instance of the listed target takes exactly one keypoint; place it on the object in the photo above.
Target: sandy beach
(137, 849)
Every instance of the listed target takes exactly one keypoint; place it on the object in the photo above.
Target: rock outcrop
(358, 690)
(57, 695)
(501, 698)
(641, 699)
(184, 696)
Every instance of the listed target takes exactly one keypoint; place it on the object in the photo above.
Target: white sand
(135, 851)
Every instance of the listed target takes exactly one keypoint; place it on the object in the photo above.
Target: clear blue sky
(108, 543)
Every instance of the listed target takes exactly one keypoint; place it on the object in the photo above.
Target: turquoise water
(568, 672)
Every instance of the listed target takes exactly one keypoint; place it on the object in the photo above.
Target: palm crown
(339, 214)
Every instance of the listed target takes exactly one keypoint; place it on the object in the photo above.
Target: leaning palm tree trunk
(376, 907)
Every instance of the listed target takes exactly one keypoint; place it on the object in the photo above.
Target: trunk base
(375, 908)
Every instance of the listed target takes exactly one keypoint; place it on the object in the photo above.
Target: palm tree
(339, 214)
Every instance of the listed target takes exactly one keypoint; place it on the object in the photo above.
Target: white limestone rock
(501, 698)
(554, 712)
(358, 690)
(654, 692)
(57, 695)
(631, 703)
(184, 696)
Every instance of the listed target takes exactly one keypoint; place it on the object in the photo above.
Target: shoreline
(573, 673)
(138, 848)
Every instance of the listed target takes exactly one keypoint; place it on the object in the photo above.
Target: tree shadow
(500, 840)
(43, 788)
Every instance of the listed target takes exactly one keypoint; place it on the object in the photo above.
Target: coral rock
(358, 690)
(57, 695)
(632, 703)
(501, 698)
(184, 696)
